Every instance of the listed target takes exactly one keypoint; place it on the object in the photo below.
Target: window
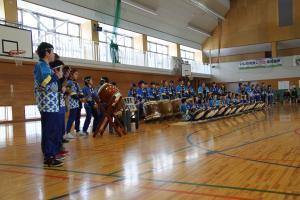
(30, 20)
(158, 48)
(158, 55)
(73, 29)
(187, 55)
(124, 39)
(32, 112)
(60, 29)
(5, 113)
(46, 23)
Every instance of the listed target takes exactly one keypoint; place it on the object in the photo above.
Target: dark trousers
(270, 99)
(50, 134)
(90, 112)
(62, 126)
(74, 116)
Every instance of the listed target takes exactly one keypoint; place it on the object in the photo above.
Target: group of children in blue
(56, 91)
(156, 92)
(215, 97)
(205, 97)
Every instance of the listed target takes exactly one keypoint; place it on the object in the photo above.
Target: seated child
(185, 110)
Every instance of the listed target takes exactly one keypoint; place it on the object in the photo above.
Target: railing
(200, 68)
(74, 47)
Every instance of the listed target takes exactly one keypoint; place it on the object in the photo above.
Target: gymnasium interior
(219, 119)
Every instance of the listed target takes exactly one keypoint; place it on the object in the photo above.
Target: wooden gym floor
(253, 156)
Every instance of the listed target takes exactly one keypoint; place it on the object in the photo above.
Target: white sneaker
(70, 136)
(80, 133)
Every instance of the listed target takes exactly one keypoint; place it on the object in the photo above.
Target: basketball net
(18, 56)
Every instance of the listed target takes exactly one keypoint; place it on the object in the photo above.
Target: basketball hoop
(18, 56)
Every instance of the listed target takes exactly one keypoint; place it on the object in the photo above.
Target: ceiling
(173, 17)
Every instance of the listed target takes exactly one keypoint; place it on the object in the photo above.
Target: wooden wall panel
(253, 22)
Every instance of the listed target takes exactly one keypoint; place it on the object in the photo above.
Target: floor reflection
(163, 162)
(33, 132)
(131, 172)
(6, 135)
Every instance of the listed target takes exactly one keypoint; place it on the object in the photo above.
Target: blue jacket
(132, 93)
(184, 108)
(153, 94)
(142, 94)
(201, 90)
(211, 102)
(214, 90)
(217, 103)
(90, 94)
(189, 91)
(180, 90)
(164, 93)
(46, 88)
(74, 94)
(172, 91)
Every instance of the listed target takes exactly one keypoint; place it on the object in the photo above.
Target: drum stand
(110, 118)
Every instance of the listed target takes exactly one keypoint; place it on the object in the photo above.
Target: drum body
(222, 110)
(251, 107)
(110, 94)
(165, 108)
(211, 113)
(199, 114)
(176, 106)
(240, 108)
(233, 109)
(107, 92)
(228, 110)
(151, 110)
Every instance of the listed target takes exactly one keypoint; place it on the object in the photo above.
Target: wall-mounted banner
(260, 63)
(296, 61)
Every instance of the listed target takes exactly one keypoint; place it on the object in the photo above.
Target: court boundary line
(190, 146)
(102, 183)
(159, 180)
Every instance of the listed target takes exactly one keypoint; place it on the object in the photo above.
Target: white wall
(230, 72)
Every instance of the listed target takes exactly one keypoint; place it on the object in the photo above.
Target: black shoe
(52, 162)
(65, 141)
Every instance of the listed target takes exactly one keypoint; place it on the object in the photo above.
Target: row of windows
(48, 24)
(64, 33)
(40, 25)
(31, 112)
